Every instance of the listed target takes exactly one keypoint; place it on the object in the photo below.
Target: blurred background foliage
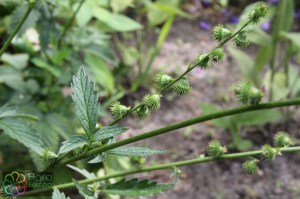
(118, 41)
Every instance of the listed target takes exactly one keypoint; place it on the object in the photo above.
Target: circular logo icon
(14, 184)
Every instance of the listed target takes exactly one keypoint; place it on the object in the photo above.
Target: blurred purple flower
(297, 14)
(274, 2)
(266, 25)
(204, 25)
(206, 3)
(225, 12)
(200, 72)
(234, 19)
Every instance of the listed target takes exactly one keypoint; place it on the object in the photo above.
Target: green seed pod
(248, 94)
(162, 80)
(241, 40)
(282, 139)
(215, 149)
(142, 112)
(203, 61)
(216, 55)
(268, 153)
(182, 87)
(220, 33)
(250, 166)
(47, 156)
(118, 111)
(259, 12)
(152, 101)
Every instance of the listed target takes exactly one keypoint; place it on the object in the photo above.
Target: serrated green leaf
(136, 188)
(131, 151)
(18, 129)
(85, 98)
(85, 191)
(6, 111)
(56, 194)
(73, 142)
(99, 158)
(108, 131)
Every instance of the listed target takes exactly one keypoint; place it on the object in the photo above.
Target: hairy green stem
(162, 167)
(16, 30)
(182, 124)
(69, 24)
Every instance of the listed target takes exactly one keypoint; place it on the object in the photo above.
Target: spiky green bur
(215, 149)
(260, 11)
(118, 111)
(248, 94)
(152, 101)
(241, 39)
(142, 112)
(282, 139)
(269, 153)
(220, 33)
(182, 87)
(162, 80)
(216, 55)
(203, 61)
(250, 166)
(47, 156)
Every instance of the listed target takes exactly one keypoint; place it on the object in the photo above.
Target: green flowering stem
(189, 69)
(163, 167)
(19, 25)
(69, 24)
(182, 124)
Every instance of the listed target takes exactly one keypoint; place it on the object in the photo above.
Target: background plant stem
(19, 25)
(162, 167)
(182, 124)
(69, 24)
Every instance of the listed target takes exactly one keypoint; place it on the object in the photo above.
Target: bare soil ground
(217, 180)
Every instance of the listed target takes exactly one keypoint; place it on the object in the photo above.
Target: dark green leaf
(18, 14)
(131, 151)
(6, 111)
(136, 188)
(85, 98)
(73, 142)
(43, 64)
(108, 131)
